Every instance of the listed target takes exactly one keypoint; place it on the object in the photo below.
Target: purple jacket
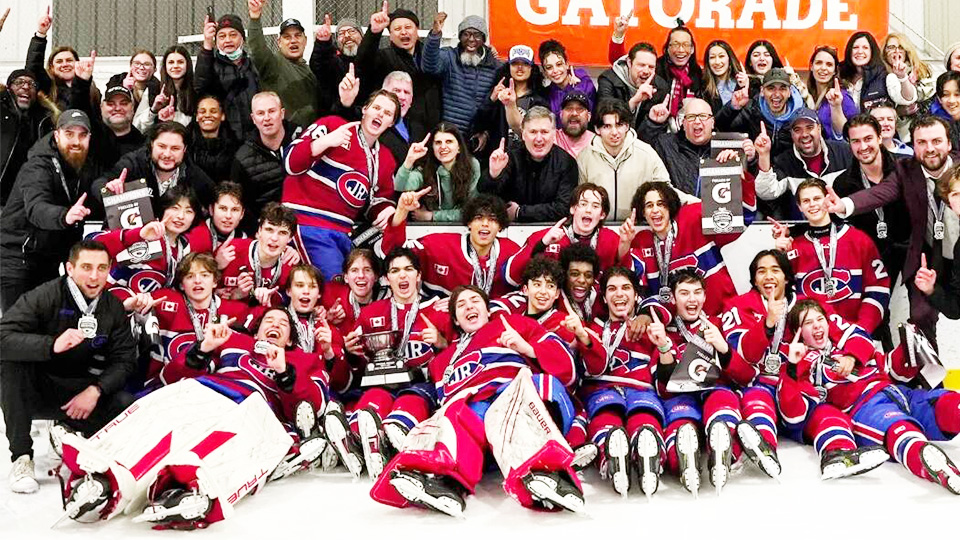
(555, 94)
(849, 110)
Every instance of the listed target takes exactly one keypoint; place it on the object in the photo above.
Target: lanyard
(354, 305)
(610, 340)
(663, 251)
(195, 316)
(694, 338)
(173, 261)
(829, 288)
(574, 239)
(881, 223)
(81, 301)
(461, 346)
(483, 278)
(215, 237)
(936, 209)
(305, 338)
(373, 162)
(258, 268)
(409, 319)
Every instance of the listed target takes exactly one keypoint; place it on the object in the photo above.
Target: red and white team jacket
(332, 191)
(445, 261)
(691, 249)
(607, 244)
(862, 283)
(236, 372)
(245, 250)
(177, 333)
(482, 366)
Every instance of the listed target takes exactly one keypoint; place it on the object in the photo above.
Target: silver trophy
(385, 366)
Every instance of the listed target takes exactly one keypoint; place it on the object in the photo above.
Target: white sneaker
(22, 478)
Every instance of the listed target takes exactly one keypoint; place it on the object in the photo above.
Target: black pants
(28, 393)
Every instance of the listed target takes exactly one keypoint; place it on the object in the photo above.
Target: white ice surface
(888, 503)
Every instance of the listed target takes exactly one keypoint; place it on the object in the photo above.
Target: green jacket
(294, 82)
(407, 180)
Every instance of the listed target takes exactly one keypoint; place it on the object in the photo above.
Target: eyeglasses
(680, 46)
(469, 34)
(702, 117)
(142, 65)
(23, 83)
(892, 48)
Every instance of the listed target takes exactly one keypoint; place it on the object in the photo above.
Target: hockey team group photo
(480, 267)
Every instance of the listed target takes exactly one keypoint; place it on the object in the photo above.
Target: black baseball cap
(575, 96)
(118, 90)
(291, 23)
(807, 114)
(73, 117)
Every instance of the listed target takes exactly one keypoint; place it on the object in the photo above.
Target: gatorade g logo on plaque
(131, 218)
(354, 188)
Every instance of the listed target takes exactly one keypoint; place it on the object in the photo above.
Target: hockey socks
(910, 447)
(832, 435)
(758, 409)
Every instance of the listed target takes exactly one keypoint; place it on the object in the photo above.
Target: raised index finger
(502, 142)
(506, 325)
(386, 6)
(422, 192)
(426, 321)
(923, 261)
(763, 128)
(327, 21)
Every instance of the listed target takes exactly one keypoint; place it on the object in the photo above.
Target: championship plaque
(130, 210)
(385, 366)
(697, 370)
(720, 186)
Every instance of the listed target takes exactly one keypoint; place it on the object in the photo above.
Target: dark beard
(75, 161)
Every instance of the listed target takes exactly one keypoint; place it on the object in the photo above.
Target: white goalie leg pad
(521, 432)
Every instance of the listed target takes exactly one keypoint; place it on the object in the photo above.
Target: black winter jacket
(29, 329)
(32, 225)
(36, 63)
(542, 189)
(19, 130)
(105, 146)
(139, 165)
(213, 156)
(260, 172)
(234, 85)
(679, 155)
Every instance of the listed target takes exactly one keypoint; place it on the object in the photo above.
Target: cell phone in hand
(210, 13)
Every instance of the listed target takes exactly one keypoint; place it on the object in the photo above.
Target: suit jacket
(908, 183)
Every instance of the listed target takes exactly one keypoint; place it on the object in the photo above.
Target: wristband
(665, 348)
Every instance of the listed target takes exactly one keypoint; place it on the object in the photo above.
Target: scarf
(680, 87)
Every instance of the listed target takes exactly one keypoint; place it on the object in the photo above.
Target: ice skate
(940, 468)
(305, 420)
(843, 463)
(616, 452)
(371, 441)
(428, 491)
(87, 499)
(688, 456)
(308, 451)
(758, 450)
(342, 439)
(719, 453)
(176, 506)
(396, 435)
(584, 455)
(647, 447)
(553, 489)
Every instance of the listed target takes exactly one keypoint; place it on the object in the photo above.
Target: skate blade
(192, 507)
(868, 462)
(370, 441)
(752, 442)
(687, 446)
(414, 492)
(648, 450)
(337, 434)
(937, 463)
(721, 445)
(618, 451)
(540, 489)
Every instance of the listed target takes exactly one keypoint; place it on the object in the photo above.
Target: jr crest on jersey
(466, 366)
(814, 284)
(354, 188)
(626, 360)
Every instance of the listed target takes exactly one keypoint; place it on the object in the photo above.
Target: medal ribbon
(818, 247)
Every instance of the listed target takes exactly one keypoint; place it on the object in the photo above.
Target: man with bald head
(682, 151)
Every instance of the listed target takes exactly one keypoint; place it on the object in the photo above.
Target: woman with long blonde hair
(910, 81)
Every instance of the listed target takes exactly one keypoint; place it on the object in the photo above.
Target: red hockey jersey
(445, 259)
(273, 276)
(236, 372)
(482, 366)
(862, 285)
(630, 364)
(691, 249)
(376, 317)
(177, 332)
(607, 243)
(127, 277)
(334, 189)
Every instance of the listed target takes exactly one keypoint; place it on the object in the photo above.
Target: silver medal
(771, 364)
(829, 288)
(88, 326)
(664, 295)
(881, 230)
(938, 230)
(261, 347)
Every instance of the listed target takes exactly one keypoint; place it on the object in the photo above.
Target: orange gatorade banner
(795, 27)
